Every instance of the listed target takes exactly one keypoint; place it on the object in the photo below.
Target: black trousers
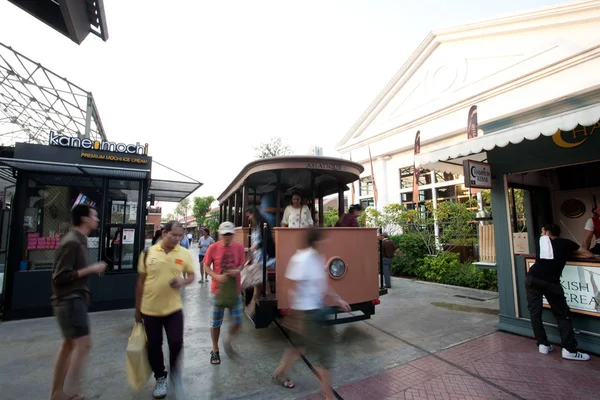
(554, 293)
(173, 326)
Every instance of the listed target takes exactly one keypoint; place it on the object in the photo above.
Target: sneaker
(178, 388)
(578, 356)
(160, 390)
(545, 349)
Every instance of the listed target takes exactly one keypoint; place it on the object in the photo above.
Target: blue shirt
(185, 242)
(268, 200)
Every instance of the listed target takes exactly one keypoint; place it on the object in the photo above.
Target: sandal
(284, 381)
(215, 358)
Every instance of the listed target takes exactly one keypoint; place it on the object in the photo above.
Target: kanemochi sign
(101, 145)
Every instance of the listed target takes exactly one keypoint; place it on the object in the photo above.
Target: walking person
(309, 294)
(70, 300)
(163, 270)
(227, 259)
(543, 279)
(389, 249)
(203, 244)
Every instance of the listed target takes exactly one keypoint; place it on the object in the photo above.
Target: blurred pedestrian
(70, 300)
(309, 293)
(203, 244)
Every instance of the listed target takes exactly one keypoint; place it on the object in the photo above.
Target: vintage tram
(353, 254)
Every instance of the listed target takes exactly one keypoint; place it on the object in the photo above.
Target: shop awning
(172, 191)
(586, 116)
(74, 169)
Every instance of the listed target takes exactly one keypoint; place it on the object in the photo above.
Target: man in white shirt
(309, 293)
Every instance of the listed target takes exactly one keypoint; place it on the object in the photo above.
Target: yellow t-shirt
(159, 298)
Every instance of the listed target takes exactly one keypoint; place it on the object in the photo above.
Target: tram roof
(296, 173)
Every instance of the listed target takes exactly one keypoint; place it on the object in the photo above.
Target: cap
(226, 227)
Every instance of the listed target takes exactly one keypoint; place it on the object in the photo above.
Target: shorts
(216, 319)
(314, 336)
(201, 258)
(72, 316)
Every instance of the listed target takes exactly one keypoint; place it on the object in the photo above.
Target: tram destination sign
(324, 165)
(477, 175)
(99, 145)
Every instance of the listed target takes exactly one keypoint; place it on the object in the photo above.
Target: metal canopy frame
(172, 191)
(35, 101)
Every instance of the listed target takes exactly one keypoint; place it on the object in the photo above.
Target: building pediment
(458, 67)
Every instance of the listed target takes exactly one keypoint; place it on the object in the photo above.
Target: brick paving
(497, 366)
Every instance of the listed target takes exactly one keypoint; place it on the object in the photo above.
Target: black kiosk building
(48, 181)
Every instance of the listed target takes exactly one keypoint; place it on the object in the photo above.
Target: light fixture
(337, 267)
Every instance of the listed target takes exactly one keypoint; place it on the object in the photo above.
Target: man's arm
(587, 239)
(584, 253)
(65, 271)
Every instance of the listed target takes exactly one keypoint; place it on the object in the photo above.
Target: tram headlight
(337, 267)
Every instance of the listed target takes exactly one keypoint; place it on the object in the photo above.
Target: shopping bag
(138, 366)
(228, 294)
(251, 275)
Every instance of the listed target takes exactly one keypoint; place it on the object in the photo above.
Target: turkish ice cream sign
(478, 175)
(100, 145)
(580, 284)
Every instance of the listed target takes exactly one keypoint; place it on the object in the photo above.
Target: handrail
(264, 250)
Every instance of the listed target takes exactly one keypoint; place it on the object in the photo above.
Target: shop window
(446, 193)
(441, 176)
(406, 197)
(424, 177)
(48, 218)
(425, 195)
(123, 197)
(366, 186)
(121, 230)
(406, 178)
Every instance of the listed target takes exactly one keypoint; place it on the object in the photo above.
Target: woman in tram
(258, 240)
(297, 215)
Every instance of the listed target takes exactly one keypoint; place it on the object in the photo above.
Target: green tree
(201, 208)
(183, 208)
(330, 216)
(168, 217)
(272, 148)
(212, 221)
(456, 223)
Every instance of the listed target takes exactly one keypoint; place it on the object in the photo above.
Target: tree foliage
(201, 208)
(168, 217)
(455, 222)
(183, 208)
(272, 148)
(330, 216)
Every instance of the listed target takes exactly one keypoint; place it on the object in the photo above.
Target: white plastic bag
(138, 366)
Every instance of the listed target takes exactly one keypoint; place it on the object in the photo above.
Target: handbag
(138, 366)
(251, 276)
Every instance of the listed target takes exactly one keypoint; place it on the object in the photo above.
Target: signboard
(576, 137)
(100, 145)
(580, 281)
(477, 174)
(128, 236)
(521, 243)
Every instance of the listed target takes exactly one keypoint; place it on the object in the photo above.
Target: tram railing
(264, 259)
(380, 259)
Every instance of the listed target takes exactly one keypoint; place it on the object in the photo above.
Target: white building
(505, 66)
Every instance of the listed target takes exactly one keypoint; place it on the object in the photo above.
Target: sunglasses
(227, 234)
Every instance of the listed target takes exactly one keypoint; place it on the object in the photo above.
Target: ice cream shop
(48, 180)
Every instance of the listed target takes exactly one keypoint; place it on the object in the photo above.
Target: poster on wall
(520, 243)
(581, 284)
(128, 236)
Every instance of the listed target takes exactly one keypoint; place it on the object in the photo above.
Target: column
(436, 226)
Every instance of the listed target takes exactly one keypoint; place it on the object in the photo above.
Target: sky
(203, 82)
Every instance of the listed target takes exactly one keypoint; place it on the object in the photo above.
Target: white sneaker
(578, 356)
(160, 390)
(545, 349)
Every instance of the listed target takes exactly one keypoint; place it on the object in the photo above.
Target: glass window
(406, 197)
(366, 186)
(441, 176)
(370, 202)
(48, 218)
(406, 178)
(424, 177)
(446, 193)
(122, 202)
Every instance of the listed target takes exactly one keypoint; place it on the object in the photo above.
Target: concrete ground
(412, 320)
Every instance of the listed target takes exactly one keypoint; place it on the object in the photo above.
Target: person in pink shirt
(227, 258)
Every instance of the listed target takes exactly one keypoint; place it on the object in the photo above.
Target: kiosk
(115, 178)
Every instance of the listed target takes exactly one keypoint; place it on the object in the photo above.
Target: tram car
(353, 254)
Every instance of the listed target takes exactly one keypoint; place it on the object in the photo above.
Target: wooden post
(321, 211)
(278, 200)
(236, 211)
(220, 212)
(341, 201)
(245, 195)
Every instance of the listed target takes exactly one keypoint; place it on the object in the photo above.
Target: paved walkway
(496, 366)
